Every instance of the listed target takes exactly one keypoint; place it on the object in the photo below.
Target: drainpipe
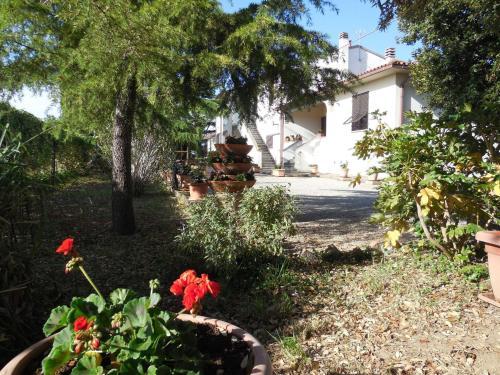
(401, 87)
(282, 139)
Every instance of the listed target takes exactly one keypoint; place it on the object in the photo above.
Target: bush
(229, 233)
(443, 180)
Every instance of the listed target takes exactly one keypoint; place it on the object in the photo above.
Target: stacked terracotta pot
(238, 152)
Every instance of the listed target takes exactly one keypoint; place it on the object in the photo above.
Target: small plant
(214, 157)
(277, 166)
(236, 140)
(197, 174)
(345, 168)
(245, 177)
(375, 172)
(124, 333)
(226, 234)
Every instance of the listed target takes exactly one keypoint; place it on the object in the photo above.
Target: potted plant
(345, 168)
(220, 182)
(127, 334)
(198, 186)
(234, 145)
(491, 239)
(278, 171)
(183, 175)
(374, 171)
(314, 169)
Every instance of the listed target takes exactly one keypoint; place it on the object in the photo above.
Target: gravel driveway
(330, 211)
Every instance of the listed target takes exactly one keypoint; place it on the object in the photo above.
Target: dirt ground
(337, 308)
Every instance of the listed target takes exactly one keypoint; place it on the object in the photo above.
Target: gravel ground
(330, 211)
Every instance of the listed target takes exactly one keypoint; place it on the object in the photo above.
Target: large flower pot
(491, 240)
(236, 149)
(278, 172)
(232, 168)
(197, 191)
(259, 363)
(230, 186)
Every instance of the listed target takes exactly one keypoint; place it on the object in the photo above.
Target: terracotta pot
(261, 365)
(278, 172)
(197, 191)
(233, 168)
(230, 186)
(491, 240)
(240, 150)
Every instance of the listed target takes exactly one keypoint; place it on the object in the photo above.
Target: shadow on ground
(349, 208)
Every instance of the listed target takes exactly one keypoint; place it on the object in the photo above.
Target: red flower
(81, 324)
(177, 287)
(211, 286)
(188, 276)
(194, 289)
(66, 247)
(192, 294)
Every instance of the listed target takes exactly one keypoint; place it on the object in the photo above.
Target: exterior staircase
(268, 161)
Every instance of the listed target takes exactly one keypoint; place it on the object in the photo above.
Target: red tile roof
(393, 64)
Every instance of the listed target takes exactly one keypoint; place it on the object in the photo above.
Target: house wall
(360, 60)
(338, 144)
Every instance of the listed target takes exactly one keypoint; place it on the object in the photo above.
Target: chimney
(344, 44)
(390, 54)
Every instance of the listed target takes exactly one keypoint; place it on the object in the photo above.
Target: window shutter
(359, 112)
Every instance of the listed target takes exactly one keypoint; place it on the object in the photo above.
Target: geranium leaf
(154, 299)
(58, 318)
(136, 312)
(98, 301)
(64, 338)
(121, 296)
(87, 365)
(57, 358)
(81, 307)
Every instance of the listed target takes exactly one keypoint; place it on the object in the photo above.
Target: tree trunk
(122, 195)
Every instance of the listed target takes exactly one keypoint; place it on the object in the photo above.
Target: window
(359, 120)
(323, 126)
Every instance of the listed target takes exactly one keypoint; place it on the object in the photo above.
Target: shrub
(228, 232)
(443, 182)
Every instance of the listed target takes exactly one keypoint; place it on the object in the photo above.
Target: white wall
(361, 60)
(338, 145)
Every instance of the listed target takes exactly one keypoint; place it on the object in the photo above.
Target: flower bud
(95, 343)
(79, 347)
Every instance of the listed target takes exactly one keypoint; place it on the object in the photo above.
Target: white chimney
(344, 44)
(390, 54)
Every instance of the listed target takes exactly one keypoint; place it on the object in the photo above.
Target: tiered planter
(231, 170)
(491, 240)
(259, 363)
(197, 191)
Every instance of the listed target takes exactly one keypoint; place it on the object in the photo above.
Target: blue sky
(357, 18)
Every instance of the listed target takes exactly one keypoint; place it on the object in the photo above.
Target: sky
(357, 18)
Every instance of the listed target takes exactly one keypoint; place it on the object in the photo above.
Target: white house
(325, 134)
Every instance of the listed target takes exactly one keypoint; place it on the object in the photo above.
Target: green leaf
(64, 338)
(58, 318)
(136, 312)
(57, 358)
(121, 296)
(81, 307)
(98, 301)
(154, 299)
(87, 365)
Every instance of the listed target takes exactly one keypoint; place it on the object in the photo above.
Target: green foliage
(140, 337)
(442, 183)
(227, 232)
(457, 63)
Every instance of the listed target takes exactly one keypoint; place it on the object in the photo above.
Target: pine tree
(109, 60)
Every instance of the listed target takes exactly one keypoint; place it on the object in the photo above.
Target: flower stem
(90, 281)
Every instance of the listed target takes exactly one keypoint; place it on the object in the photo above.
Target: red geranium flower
(192, 294)
(81, 324)
(194, 289)
(66, 247)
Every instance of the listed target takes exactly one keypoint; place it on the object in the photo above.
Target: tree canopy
(107, 61)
